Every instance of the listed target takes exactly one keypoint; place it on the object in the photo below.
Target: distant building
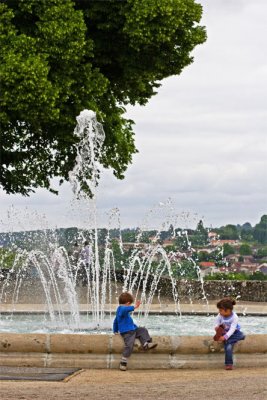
(221, 242)
(237, 257)
(168, 242)
(212, 235)
(232, 258)
(206, 264)
(249, 259)
(247, 268)
(263, 268)
(207, 268)
(207, 250)
(132, 245)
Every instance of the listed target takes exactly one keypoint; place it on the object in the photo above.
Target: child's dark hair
(126, 297)
(226, 303)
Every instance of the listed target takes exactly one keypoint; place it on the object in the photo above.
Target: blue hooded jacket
(123, 321)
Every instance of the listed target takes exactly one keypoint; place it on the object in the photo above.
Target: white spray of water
(85, 174)
(142, 271)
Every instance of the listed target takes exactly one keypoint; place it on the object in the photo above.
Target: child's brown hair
(126, 297)
(226, 303)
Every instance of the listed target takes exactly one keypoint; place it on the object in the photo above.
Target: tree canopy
(260, 230)
(59, 57)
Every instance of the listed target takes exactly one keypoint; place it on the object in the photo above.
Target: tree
(257, 276)
(181, 242)
(7, 257)
(186, 269)
(229, 232)
(200, 237)
(246, 226)
(245, 250)
(61, 56)
(129, 235)
(230, 276)
(260, 230)
(247, 232)
(228, 249)
(202, 256)
(262, 252)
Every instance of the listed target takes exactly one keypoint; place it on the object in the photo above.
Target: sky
(202, 139)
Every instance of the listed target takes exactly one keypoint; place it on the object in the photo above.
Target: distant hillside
(68, 236)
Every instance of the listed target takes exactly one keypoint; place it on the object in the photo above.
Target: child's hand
(137, 304)
(221, 339)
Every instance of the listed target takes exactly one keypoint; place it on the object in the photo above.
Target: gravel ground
(239, 384)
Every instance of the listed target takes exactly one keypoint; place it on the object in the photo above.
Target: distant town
(231, 252)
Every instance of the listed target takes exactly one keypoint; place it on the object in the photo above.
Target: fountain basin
(104, 351)
(158, 324)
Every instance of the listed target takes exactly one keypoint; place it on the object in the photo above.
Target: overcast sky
(202, 140)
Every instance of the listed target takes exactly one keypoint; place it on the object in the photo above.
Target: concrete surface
(239, 384)
(104, 351)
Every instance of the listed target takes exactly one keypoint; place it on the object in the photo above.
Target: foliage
(201, 256)
(145, 237)
(182, 243)
(236, 276)
(228, 232)
(215, 256)
(247, 236)
(7, 258)
(245, 250)
(228, 249)
(230, 276)
(186, 269)
(170, 248)
(262, 252)
(257, 276)
(200, 236)
(260, 230)
(119, 257)
(61, 56)
(129, 236)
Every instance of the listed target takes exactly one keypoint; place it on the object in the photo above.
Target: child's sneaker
(228, 367)
(123, 366)
(149, 346)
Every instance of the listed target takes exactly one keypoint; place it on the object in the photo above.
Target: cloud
(202, 140)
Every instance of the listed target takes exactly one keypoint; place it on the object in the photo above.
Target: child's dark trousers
(129, 338)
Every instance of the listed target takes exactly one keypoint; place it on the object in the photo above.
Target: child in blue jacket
(124, 324)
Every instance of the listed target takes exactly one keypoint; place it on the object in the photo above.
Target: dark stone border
(35, 374)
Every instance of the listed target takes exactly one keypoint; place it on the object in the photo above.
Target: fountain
(58, 272)
(66, 293)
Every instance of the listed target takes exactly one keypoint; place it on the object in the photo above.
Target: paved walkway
(239, 384)
(246, 308)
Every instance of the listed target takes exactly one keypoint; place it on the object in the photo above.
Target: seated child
(228, 329)
(123, 324)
